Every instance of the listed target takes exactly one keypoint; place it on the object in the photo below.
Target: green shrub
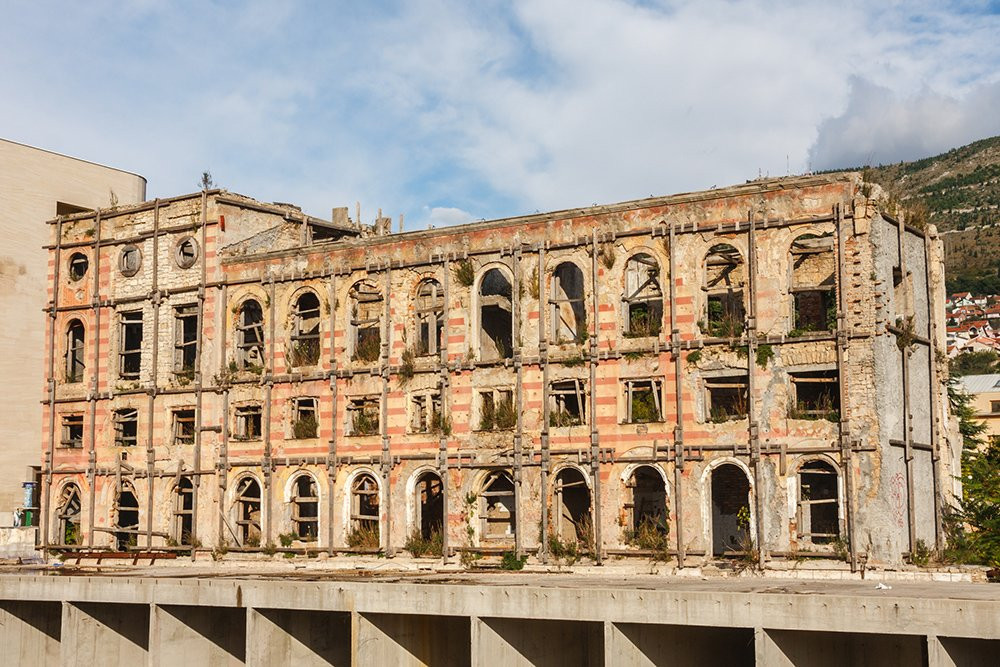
(364, 536)
(510, 561)
(418, 545)
(305, 427)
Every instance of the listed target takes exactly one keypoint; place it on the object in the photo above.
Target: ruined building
(700, 374)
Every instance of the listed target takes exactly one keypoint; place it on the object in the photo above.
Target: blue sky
(449, 111)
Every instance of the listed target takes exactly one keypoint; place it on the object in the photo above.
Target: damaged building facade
(745, 370)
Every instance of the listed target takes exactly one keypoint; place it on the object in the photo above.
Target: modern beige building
(985, 393)
(35, 186)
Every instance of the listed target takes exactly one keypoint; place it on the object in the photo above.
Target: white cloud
(443, 216)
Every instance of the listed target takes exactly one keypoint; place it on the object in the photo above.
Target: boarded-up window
(642, 302)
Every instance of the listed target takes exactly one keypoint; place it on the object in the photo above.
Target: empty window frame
(813, 283)
(497, 511)
(725, 277)
(130, 344)
(365, 509)
(567, 403)
(126, 427)
(363, 415)
(305, 508)
(429, 308)
(75, 342)
(995, 407)
(496, 410)
(642, 301)
(183, 511)
(646, 505)
(247, 425)
(78, 265)
(818, 517)
(185, 340)
(815, 395)
(727, 397)
(425, 412)
(643, 400)
(496, 323)
(126, 518)
(183, 426)
(429, 506)
(186, 252)
(567, 304)
(571, 496)
(247, 506)
(367, 308)
(305, 418)
(305, 330)
(250, 336)
(72, 431)
(68, 516)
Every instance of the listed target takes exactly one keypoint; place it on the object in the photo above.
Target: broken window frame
(825, 377)
(826, 291)
(248, 511)
(495, 301)
(581, 532)
(367, 310)
(817, 467)
(728, 319)
(642, 306)
(130, 260)
(305, 508)
(429, 493)
(717, 388)
(366, 504)
(72, 431)
(489, 491)
(130, 344)
(185, 340)
(249, 341)
(76, 340)
(248, 422)
(304, 410)
(69, 513)
(364, 416)
(636, 509)
(429, 309)
(183, 426)
(186, 252)
(126, 427)
(183, 511)
(424, 405)
(561, 393)
(126, 531)
(306, 320)
(78, 264)
(575, 302)
(631, 387)
(489, 402)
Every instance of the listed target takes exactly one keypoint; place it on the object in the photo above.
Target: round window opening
(78, 264)
(130, 260)
(186, 252)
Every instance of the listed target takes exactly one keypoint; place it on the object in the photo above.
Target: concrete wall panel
(30, 632)
(198, 635)
(287, 636)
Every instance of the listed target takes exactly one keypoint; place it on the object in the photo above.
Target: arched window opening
(567, 305)
(78, 265)
(818, 517)
(642, 303)
(725, 278)
(68, 516)
(126, 518)
(572, 507)
(497, 511)
(430, 508)
(430, 317)
(365, 517)
(250, 336)
(305, 508)
(495, 320)
(813, 285)
(248, 512)
(305, 330)
(75, 341)
(366, 321)
(730, 510)
(646, 506)
(183, 511)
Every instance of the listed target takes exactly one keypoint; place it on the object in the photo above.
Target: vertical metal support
(844, 426)
(331, 455)
(384, 411)
(222, 463)
(199, 373)
(444, 387)
(935, 394)
(150, 452)
(515, 299)
(95, 381)
(752, 427)
(543, 359)
(675, 351)
(45, 508)
(595, 441)
(268, 463)
(907, 415)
